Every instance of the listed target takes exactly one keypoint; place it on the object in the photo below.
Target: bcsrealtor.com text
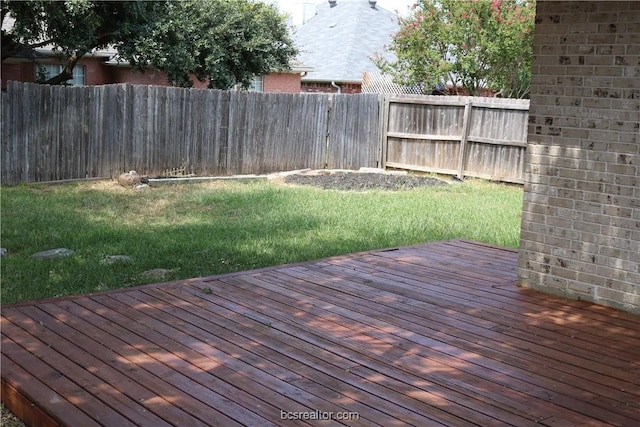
(319, 415)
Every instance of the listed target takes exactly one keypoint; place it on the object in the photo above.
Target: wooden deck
(428, 335)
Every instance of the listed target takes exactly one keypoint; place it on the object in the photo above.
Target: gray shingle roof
(339, 41)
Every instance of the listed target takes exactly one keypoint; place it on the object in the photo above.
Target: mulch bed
(360, 181)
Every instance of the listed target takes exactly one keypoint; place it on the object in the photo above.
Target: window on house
(46, 71)
(256, 84)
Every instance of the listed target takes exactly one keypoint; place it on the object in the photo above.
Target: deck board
(426, 335)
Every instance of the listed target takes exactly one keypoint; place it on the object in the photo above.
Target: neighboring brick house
(283, 82)
(339, 41)
(95, 68)
(99, 68)
(581, 216)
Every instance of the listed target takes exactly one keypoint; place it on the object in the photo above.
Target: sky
(391, 5)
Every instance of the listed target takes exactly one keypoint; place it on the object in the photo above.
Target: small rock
(142, 186)
(371, 170)
(132, 179)
(53, 253)
(3, 252)
(113, 259)
(156, 273)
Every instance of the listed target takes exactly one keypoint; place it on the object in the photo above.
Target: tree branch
(37, 45)
(11, 47)
(67, 72)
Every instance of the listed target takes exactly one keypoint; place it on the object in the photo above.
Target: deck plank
(436, 334)
(51, 349)
(375, 328)
(465, 335)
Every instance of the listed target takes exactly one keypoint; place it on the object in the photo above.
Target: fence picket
(426, 133)
(60, 133)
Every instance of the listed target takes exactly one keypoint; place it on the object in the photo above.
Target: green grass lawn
(207, 229)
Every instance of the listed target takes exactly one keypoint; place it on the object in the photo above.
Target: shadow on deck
(427, 335)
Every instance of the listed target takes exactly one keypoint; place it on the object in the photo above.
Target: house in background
(282, 82)
(339, 41)
(99, 68)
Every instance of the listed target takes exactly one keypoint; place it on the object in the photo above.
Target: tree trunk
(67, 72)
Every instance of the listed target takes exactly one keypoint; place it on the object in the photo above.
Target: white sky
(392, 5)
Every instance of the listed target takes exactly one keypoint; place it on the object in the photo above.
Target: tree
(473, 44)
(74, 27)
(224, 41)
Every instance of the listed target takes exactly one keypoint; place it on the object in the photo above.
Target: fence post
(385, 106)
(466, 125)
(327, 135)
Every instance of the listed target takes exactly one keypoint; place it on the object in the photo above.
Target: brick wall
(281, 82)
(581, 213)
(322, 87)
(20, 71)
(96, 73)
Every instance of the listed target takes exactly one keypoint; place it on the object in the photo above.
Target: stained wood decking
(428, 335)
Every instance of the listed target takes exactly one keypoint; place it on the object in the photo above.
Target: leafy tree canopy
(224, 41)
(473, 44)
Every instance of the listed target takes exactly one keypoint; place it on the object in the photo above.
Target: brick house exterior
(98, 71)
(327, 87)
(581, 215)
(281, 82)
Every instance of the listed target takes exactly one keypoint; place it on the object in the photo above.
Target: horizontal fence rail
(55, 133)
(52, 133)
(462, 136)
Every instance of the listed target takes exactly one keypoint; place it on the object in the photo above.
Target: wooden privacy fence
(462, 136)
(52, 133)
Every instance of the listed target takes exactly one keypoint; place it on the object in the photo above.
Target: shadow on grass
(204, 230)
(212, 234)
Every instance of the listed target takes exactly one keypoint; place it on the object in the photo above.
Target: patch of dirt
(362, 181)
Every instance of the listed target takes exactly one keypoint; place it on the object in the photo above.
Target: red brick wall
(347, 88)
(22, 71)
(281, 82)
(96, 73)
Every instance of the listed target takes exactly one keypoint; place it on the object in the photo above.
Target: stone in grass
(53, 253)
(132, 179)
(156, 274)
(3, 252)
(114, 259)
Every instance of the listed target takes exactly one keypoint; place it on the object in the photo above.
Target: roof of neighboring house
(339, 41)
